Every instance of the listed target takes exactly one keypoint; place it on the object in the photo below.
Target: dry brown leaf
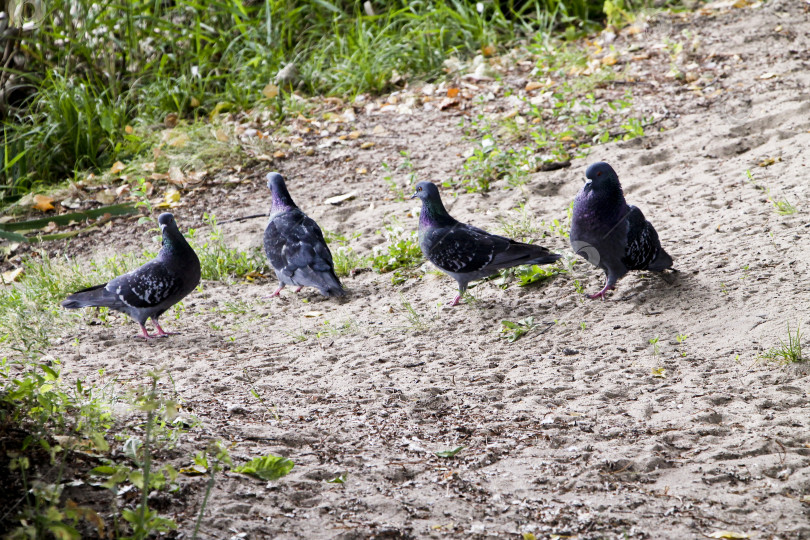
(278, 154)
(366, 145)
(12, 275)
(452, 92)
(179, 140)
(149, 166)
(488, 50)
(43, 203)
(312, 314)
(122, 190)
(533, 85)
(767, 162)
(195, 103)
(354, 135)
(171, 199)
(361, 170)
(117, 167)
(446, 103)
(379, 130)
(170, 120)
(105, 197)
(609, 60)
(176, 176)
(128, 130)
(337, 199)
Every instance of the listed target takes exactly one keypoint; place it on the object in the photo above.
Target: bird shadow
(671, 284)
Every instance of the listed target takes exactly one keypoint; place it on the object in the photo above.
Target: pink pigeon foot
(161, 332)
(455, 301)
(602, 294)
(145, 334)
(299, 289)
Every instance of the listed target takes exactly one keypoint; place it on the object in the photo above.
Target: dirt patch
(582, 427)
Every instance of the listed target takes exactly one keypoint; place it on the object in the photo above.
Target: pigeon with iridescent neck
(147, 292)
(464, 252)
(295, 246)
(611, 234)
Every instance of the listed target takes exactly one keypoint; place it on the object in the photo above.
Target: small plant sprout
(583, 325)
(654, 343)
(578, 287)
(680, 338)
(513, 331)
(787, 352)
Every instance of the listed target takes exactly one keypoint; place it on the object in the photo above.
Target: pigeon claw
(455, 301)
(145, 334)
(298, 290)
(162, 332)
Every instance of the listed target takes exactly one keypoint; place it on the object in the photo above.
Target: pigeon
(295, 246)
(464, 252)
(611, 234)
(148, 291)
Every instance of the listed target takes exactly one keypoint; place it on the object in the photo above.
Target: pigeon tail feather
(96, 296)
(662, 261)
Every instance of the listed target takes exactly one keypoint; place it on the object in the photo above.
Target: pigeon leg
(298, 290)
(455, 301)
(277, 292)
(145, 335)
(161, 332)
(601, 294)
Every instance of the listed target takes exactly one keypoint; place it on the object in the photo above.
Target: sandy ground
(580, 429)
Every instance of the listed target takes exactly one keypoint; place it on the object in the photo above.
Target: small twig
(243, 218)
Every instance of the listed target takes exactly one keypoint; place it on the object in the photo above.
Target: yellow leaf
(12, 275)
(609, 60)
(128, 130)
(361, 170)
(270, 91)
(452, 92)
(117, 167)
(43, 203)
(278, 154)
(171, 199)
(366, 145)
(354, 135)
(312, 314)
(337, 199)
(533, 85)
(659, 373)
(195, 103)
(488, 50)
(728, 535)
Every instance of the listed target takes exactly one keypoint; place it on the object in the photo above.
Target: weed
(513, 331)
(218, 261)
(519, 224)
(789, 351)
(211, 461)
(416, 321)
(402, 252)
(680, 338)
(654, 343)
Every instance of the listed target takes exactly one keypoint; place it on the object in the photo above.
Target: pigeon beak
(588, 182)
(414, 195)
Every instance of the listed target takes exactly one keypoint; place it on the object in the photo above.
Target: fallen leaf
(105, 197)
(312, 314)
(767, 162)
(337, 199)
(446, 103)
(195, 103)
(449, 453)
(452, 92)
(170, 120)
(379, 130)
(354, 135)
(488, 50)
(128, 130)
(176, 176)
(609, 60)
(533, 85)
(361, 170)
(220, 135)
(659, 373)
(170, 199)
(117, 167)
(729, 535)
(768, 75)
(43, 203)
(12, 275)
(366, 145)
(178, 140)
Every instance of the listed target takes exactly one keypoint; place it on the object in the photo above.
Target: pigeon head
(281, 197)
(601, 177)
(433, 212)
(166, 219)
(172, 237)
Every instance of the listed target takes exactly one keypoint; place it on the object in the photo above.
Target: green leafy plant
(268, 467)
(449, 453)
(513, 331)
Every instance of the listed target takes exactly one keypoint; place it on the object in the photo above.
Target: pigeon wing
(463, 249)
(642, 241)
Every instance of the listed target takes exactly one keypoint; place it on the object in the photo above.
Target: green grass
(787, 352)
(133, 63)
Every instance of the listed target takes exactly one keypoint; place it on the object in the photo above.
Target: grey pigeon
(148, 291)
(611, 234)
(464, 252)
(295, 246)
